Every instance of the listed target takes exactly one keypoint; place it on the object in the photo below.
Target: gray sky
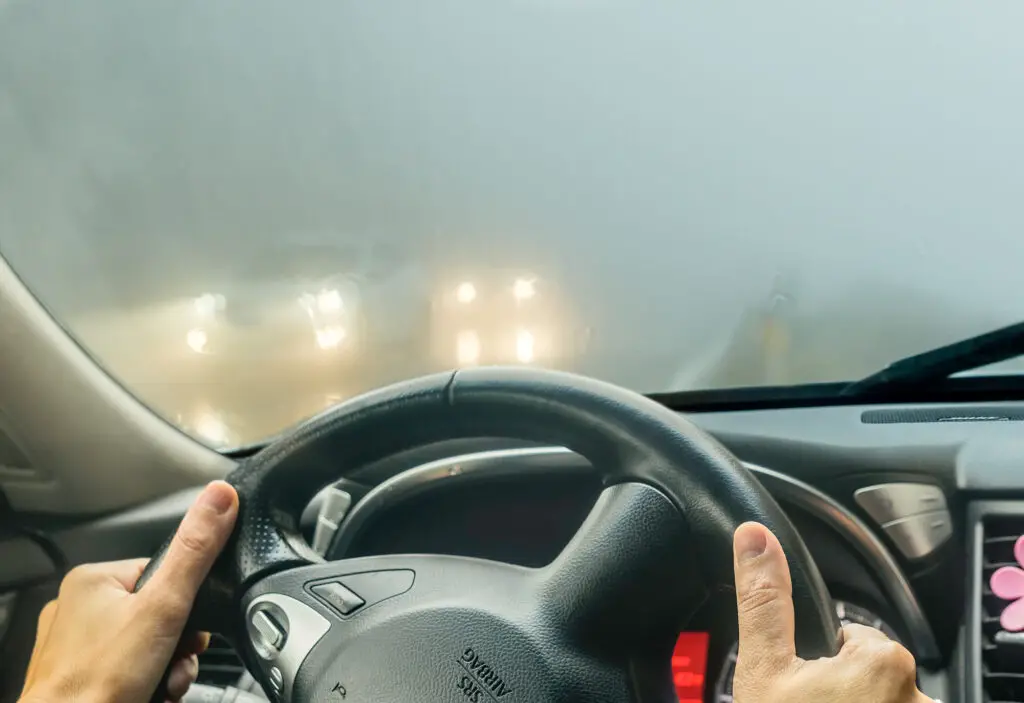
(666, 159)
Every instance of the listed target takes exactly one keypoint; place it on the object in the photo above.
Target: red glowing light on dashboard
(689, 664)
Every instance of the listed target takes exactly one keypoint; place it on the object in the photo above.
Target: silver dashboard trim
(510, 462)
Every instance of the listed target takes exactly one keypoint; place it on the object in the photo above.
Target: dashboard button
(920, 535)
(375, 586)
(339, 597)
(892, 501)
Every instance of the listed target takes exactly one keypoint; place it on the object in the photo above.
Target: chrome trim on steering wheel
(516, 462)
(458, 469)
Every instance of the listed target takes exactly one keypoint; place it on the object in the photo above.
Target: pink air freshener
(1008, 583)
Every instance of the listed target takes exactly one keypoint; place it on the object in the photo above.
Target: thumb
(197, 543)
(764, 597)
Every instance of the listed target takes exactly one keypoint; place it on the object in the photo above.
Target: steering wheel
(597, 624)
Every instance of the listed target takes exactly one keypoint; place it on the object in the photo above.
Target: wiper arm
(941, 363)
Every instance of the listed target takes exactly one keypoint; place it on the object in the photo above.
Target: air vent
(1002, 652)
(954, 413)
(219, 665)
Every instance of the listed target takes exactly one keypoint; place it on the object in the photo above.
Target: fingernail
(218, 496)
(751, 541)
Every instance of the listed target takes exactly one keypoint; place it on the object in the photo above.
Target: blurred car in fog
(502, 316)
(280, 334)
(335, 306)
(294, 306)
(284, 333)
(317, 320)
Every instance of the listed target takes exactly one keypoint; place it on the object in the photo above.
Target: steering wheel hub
(431, 626)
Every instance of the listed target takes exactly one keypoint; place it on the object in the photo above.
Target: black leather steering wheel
(598, 624)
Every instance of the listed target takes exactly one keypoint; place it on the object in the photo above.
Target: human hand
(869, 667)
(100, 643)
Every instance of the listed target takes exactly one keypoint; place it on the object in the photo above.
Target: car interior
(905, 508)
(501, 318)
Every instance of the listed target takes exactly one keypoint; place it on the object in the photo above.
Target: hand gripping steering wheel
(597, 624)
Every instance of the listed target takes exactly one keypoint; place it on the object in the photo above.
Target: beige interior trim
(91, 445)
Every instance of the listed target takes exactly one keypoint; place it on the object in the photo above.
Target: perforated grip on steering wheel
(624, 435)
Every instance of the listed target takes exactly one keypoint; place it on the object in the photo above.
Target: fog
(663, 161)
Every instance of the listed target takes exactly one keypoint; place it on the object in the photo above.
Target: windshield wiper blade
(941, 363)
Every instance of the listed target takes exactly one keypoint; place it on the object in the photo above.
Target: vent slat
(1002, 652)
(219, 665)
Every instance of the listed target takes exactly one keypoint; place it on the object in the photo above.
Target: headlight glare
(197, 340)
(524, 289)
(465, 293)
(524, 346)
(209, 304)
(329, 301)
(467, 347)
(330, 337)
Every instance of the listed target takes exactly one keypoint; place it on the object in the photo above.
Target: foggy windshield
(249, 210)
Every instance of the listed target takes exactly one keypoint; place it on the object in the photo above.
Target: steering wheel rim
(610, 605)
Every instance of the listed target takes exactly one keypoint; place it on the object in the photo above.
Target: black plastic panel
(515, 520)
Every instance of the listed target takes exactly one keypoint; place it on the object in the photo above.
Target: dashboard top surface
(974, 447)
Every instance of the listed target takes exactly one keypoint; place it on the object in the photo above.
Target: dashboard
(916, 564)
(908, 510)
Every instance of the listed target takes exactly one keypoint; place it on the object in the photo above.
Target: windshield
(247, 211)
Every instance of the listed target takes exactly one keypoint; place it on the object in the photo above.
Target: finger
(764, 597)
(183, 674)
(85, 577)
(882, 663)
(42, 632)
(195, 546)
(125, 573)
(192, 643)
(43, 629)
(855, 634)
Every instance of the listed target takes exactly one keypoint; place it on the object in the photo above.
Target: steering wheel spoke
(629, 577)
(435, 618)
